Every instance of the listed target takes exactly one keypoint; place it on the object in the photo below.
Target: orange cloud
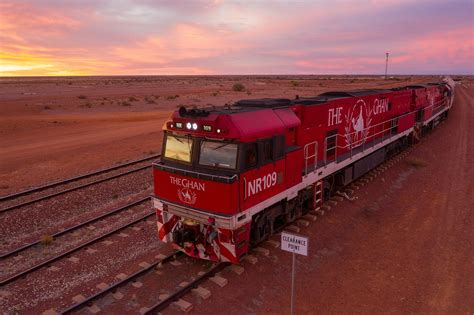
(146, 37)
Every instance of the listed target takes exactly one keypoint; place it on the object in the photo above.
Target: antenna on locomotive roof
(386, 64)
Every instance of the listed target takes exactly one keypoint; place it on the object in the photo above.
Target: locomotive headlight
(195, 126)
(188, 125)
(218, 131)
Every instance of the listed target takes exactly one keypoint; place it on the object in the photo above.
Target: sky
(179, 37)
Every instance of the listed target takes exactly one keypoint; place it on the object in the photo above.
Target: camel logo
(431, 96)
(358, 121)
(186, 195)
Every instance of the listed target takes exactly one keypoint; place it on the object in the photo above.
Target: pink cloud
(167, 37)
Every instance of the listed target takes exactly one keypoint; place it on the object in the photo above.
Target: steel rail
(72, 189)
(74, 227)
(112, 287)
(68, 180)
(70, 251)
(178, 294)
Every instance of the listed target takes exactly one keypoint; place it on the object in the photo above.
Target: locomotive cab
(215, 166)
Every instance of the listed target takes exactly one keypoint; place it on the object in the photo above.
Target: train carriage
(230, 176)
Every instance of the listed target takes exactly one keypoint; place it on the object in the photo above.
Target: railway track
(68, 252)
(116, 285)
(159, 305)
(33, 195)
(20, 249)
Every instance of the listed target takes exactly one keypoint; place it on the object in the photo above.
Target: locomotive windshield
(218, 154)
(178, 148)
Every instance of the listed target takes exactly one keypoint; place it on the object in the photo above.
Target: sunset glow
(147, 37)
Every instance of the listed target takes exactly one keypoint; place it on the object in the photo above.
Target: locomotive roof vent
(419, 86)
(264, 102)
(334, 94)
(195, 112)
(310, 100)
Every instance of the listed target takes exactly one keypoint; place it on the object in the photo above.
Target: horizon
(236, 75)
(224, 38)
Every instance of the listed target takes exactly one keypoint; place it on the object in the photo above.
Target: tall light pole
(386, 65)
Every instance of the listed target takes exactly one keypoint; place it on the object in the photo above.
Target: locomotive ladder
(318, 195)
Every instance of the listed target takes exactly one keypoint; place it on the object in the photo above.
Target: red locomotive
(229, 176)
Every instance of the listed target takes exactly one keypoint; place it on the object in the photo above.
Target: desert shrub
(295, 83)
(47, 107)
(132, 99)
(47, 240)
(215, 93)
(172, 97)
(125, 103)
(416, 162)
(238, 87)
(82, 97)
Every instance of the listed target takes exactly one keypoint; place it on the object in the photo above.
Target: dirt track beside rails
(406, 245)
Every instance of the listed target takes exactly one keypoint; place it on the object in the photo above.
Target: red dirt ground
(404, 246)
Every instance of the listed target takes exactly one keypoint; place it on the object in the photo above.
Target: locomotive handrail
(307, 157)
(436, 105)
(227, 179)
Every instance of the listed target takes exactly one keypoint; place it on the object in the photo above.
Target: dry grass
(416, 162)
(238, 87)
(47, 240)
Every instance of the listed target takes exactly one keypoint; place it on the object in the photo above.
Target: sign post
(295, 244)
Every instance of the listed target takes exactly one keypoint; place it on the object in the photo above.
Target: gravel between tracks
(41, 252)
(54, 288)
(29, 223)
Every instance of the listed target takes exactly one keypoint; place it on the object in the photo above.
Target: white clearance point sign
(294, 243)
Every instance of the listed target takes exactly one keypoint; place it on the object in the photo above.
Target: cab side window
(278, 146)
(268, 150)
(250, 155)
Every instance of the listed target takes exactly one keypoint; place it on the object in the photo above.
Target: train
(230, 176)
